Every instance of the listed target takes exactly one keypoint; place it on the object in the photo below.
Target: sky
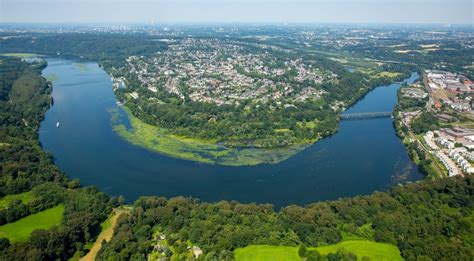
(229, 11)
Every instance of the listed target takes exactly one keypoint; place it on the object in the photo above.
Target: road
(105, 234)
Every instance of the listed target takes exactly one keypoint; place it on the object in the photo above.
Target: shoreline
(161, 141)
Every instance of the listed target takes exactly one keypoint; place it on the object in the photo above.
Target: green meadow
(362, 248)
(373, 250)
(25, 197)
(205, 151)
(21, 229)
(268, 253)
(388, 74)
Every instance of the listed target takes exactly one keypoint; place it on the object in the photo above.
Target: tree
(302, 251)
(313, 255)
(121, 200)
(4, 243)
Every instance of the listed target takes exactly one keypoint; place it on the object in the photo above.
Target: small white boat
(57, 124)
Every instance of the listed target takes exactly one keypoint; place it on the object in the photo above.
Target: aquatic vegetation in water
(200, 150)
(81, 67)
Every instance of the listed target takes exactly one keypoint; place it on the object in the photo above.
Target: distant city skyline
(228, 11)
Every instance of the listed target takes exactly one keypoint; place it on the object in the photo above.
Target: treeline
(429, 220)
(24, 166)
(451, 55)
(424, 163)
(110, 50)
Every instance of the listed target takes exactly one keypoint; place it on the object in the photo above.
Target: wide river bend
(363, 156)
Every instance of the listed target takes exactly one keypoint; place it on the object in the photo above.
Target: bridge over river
(365, 115)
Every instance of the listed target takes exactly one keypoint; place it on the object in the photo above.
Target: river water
(363, 156)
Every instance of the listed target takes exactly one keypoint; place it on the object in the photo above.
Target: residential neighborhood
(226, 72)
(437, 115)
(453, 147)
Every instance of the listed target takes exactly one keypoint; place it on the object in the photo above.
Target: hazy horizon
(238, 11)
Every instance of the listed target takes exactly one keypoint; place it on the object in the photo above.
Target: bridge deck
(365, 115)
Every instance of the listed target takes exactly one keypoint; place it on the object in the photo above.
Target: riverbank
(426, 128)
(236, 153)
(407, 110)
(88, 148)
(204, 151)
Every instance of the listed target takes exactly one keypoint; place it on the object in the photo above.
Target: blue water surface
(363, 156)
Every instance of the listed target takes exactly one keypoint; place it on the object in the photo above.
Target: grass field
(25, 197)
(388, 74)
(373, 250)
(269, 253)
(205, 151)
(20, 230)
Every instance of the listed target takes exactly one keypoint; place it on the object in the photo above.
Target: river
(363, 156)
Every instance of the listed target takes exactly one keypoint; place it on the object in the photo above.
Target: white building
(428, 137)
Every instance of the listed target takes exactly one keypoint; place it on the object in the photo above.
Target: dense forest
(429, 220)
(107, 49)
(24, 166)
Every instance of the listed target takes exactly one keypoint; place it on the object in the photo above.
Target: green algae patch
(81, 67)
(52, 77)
(200, 150)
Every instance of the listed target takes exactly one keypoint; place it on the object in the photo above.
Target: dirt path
(106, 235)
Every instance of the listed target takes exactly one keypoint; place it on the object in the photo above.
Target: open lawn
(205, 151)
(20, 230)
(270, 253)
(25, 197)
(389, 74)
(373, 250)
